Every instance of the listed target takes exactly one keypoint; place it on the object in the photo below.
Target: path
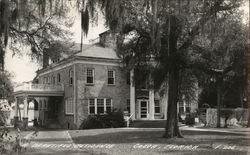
(49, 142)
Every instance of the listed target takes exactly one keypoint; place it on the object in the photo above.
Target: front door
(144, 109)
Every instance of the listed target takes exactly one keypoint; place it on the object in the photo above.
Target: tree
(167, 30)
(221, 46)
(33, 24)
(6, 86)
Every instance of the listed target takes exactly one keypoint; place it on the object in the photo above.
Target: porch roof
(37, 90)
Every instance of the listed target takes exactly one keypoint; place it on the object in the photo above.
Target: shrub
(227, 113)
(112, 119)
(190, 119)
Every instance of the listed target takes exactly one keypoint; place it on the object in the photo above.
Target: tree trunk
(172, 129)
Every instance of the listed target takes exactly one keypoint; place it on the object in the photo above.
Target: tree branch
(195, 29)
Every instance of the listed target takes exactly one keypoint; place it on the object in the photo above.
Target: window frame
(159, 106)
(71, 77)
(113, 77)
(89, 105)
(58, 78)
(93, 76)
(128, 105)
(96, 105)
(67, 101)
(48, 80)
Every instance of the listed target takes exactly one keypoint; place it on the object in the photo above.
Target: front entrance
(143, 109)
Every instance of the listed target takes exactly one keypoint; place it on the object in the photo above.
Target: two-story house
(93, 80)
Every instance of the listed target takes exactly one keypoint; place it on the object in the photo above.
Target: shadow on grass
(155, 137)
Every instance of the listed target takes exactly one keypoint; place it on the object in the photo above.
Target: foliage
(6, 86)
(32, 25)
(190, 119)
(112, 119)
(164, 31)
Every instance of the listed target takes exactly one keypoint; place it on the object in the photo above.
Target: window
(71, 77)
(45, 105)
(48, 80)
(188, 108)
(90, 75)
(157, 107)
(99, 105)
(53, 79)
(69, 106)
(108, 105)
(58, 77)
(91, 106)
(181, 107)
(44, 80)
(128, 105)
(40, 104)
(111, 77)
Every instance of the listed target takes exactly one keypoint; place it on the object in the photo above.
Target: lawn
(150, 141)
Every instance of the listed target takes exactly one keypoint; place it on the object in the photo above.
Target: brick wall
(119, 93)
(68, 92)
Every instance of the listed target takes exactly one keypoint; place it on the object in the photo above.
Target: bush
(227, 113)
(190, 119)
(112, 119)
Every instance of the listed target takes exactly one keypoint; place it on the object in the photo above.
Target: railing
(39, 87)
(127, 119)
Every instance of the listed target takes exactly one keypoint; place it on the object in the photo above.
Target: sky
(24, 69)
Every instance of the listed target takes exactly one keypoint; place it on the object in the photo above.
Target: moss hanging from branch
(85, 21)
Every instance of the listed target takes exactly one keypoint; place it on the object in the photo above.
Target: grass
(126, 139)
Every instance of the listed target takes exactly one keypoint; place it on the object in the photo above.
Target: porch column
(16, 112)
(25, 110)
(132, 94)
(151, 98)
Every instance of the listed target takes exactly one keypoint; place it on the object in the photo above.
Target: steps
(148, 124)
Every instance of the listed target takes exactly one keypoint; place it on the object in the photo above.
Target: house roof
(96, 51)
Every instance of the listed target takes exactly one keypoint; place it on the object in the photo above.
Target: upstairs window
(53, 79)
(58, 77)
(44, 80)
(48, 80)
(111, 77)
(90, 76)
(71, 77)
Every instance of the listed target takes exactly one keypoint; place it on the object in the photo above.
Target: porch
(45, 98)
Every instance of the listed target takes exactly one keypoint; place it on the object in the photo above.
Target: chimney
(108, 39)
